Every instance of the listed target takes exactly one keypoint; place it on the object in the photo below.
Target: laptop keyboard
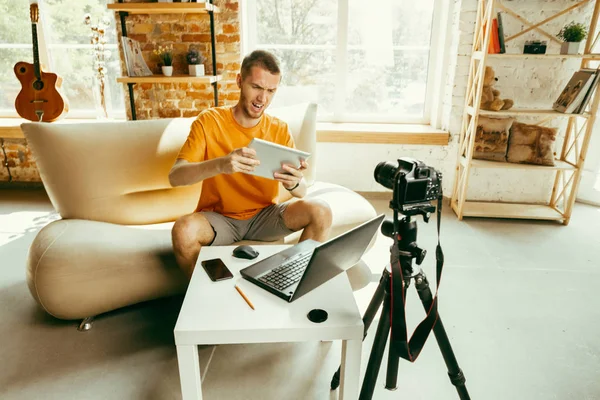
(287, 274)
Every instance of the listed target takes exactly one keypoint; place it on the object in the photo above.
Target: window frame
(436, 70)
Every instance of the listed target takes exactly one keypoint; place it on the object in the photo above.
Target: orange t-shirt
(215, 133)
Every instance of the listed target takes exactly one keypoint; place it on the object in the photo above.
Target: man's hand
(239, 160)
(292, 176)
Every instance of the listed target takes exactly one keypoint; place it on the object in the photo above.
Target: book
(574, 92)
(495, 36)
(134, 61)
(501, 34)
(491, 43)
(588, 95)
(494, 45)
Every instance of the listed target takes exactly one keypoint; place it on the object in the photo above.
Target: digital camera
(414, 184)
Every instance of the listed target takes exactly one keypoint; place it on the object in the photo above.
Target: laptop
(294, 272)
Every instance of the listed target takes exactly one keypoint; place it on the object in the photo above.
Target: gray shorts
(267, 225)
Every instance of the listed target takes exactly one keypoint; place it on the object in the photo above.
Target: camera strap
(410, 349)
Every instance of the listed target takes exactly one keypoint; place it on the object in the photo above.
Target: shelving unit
(124, 9)
(569, 165)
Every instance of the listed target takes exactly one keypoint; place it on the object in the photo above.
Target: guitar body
(41, 95)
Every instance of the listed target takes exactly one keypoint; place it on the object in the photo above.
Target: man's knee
(190, 231)
(320, 213)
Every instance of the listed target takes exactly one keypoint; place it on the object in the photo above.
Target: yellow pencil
(244, 296)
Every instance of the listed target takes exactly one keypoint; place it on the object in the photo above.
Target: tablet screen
(272, 156)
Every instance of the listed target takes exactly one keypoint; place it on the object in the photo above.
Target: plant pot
(570, 47)
(167, 71)
(165, 1)
(196, 70)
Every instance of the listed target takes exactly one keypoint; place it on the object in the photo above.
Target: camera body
(413, 183)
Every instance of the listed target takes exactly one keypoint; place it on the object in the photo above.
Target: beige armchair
(109, 183)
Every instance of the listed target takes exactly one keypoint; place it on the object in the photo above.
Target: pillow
(491, 138)
(531, 144)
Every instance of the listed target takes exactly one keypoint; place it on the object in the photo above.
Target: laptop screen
(337, 255)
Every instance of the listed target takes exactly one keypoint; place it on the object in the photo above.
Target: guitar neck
(36, 57)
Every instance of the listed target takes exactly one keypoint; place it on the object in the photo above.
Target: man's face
(257, 91)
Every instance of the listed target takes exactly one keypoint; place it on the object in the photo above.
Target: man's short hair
(260, 58)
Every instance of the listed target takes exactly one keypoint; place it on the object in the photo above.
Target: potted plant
(165, 54)
(195, 62)
(572, 35)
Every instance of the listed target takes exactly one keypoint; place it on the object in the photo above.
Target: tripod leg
(374, 305)
(391, 381)
(454, 372)
(376, 301)
(381, 336)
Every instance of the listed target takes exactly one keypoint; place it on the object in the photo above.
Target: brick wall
(21, 166)
(182, 30)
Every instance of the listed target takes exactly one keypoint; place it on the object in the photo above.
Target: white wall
(532, 84)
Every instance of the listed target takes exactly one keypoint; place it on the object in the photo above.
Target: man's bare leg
(314, 216)
(189, 234)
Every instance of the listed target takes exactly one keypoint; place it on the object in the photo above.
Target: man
(234, 205)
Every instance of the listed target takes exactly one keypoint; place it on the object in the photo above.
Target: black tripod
(404, 233)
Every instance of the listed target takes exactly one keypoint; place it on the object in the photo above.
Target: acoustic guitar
(40, 99)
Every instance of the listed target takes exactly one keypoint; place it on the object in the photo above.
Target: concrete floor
(518, 300)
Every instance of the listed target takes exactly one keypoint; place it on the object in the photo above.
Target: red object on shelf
(495, 37)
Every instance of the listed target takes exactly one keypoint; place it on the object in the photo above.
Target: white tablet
(273, 155)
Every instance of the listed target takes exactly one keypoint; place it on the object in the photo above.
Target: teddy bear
(490, 97)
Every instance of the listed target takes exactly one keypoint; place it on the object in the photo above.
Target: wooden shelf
(164, 8)
(169, 79)
(509, 210)
(558, 165)
(577, 135)
(479, 55)
(525, 112)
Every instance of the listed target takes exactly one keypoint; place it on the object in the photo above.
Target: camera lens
(384, 174)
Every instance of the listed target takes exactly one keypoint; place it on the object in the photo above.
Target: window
(64, 45)
(360, 61)
(15, 45)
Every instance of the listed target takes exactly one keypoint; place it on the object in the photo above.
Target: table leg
(350, 371)
(189, 372)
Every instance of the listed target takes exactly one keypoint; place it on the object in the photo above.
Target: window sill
(10, 128)
(327, 132)
(381, 134)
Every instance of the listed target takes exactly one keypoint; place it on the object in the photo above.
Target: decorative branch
(101, 54)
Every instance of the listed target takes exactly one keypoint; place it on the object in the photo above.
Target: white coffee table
(215, 313)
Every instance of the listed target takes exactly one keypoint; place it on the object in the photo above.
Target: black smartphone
(216, 269)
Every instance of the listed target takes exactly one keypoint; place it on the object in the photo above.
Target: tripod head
(404, 233)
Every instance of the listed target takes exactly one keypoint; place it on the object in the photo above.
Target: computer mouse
(246, 252)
